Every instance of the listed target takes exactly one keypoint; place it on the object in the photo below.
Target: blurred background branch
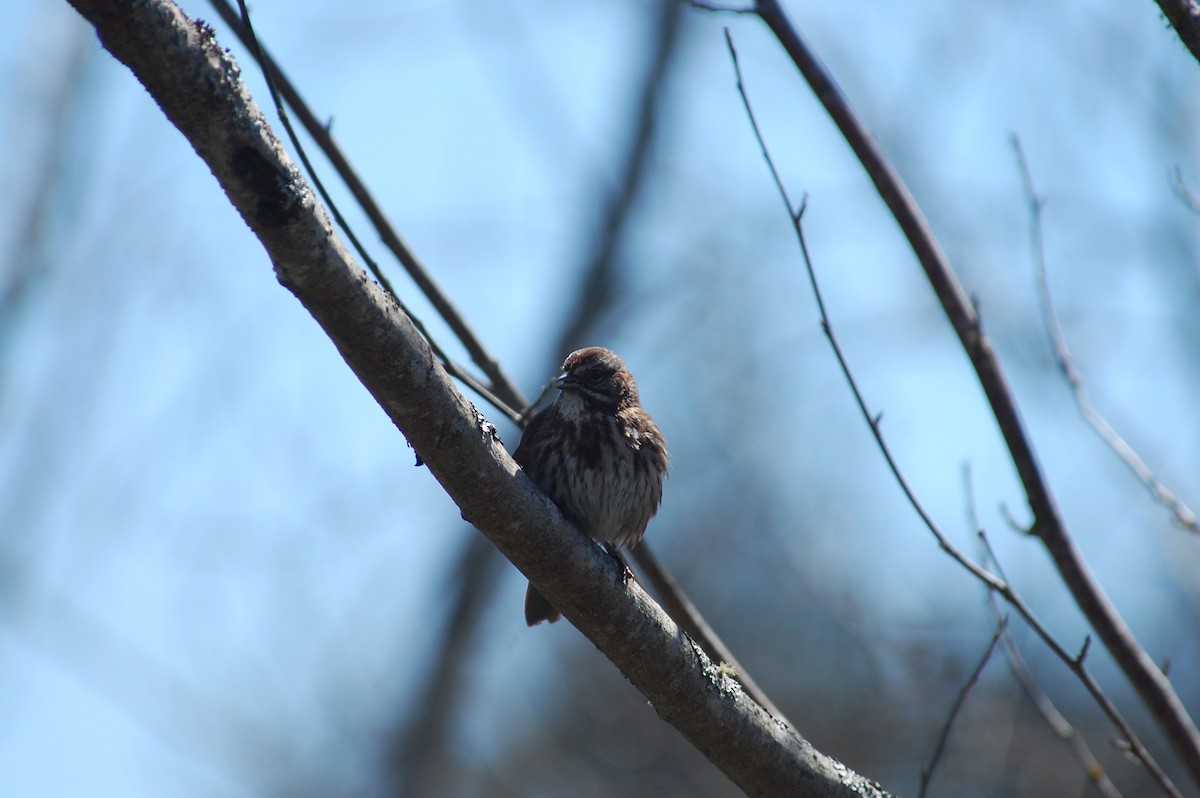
(1066, 362)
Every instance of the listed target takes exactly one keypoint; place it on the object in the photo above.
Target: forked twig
(1066, 362)
(1092, 769)
(990, 580)
(1077, 665)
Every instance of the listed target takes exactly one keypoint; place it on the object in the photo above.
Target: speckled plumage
(597, 454)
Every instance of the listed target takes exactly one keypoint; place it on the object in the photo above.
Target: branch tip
(1083, 652)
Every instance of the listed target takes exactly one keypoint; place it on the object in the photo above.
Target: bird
(597, 454)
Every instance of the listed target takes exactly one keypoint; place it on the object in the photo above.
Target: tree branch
(1147, 679)
(198, 87)
(994, 583)
(1020, 671)
(504, 389)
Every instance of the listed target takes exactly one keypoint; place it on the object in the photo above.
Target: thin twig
(1092, 769)
(501, 386)
(281, 111)
(873, 420)
(1076, 665)
(260, 57)
(1066, 362)
(1155, 690)
(990, 580)
(928, 770)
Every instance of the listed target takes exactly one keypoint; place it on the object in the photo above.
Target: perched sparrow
(598, 456)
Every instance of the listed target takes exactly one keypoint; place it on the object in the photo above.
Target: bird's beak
(565, 382)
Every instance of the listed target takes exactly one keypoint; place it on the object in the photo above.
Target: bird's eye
(595, 374)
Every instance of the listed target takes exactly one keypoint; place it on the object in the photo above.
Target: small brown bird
(598, 456)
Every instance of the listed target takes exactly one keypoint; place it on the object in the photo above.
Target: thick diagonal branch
(198, 87)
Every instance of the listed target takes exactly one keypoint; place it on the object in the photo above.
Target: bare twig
(1092, 769)
(504, 389)
(455, 370)
(1066, 362)
(260, 58)
(873, 420)
(928, 770)
(1076, 665)
(1139, 668)
(990, 580)
(1062, 728)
